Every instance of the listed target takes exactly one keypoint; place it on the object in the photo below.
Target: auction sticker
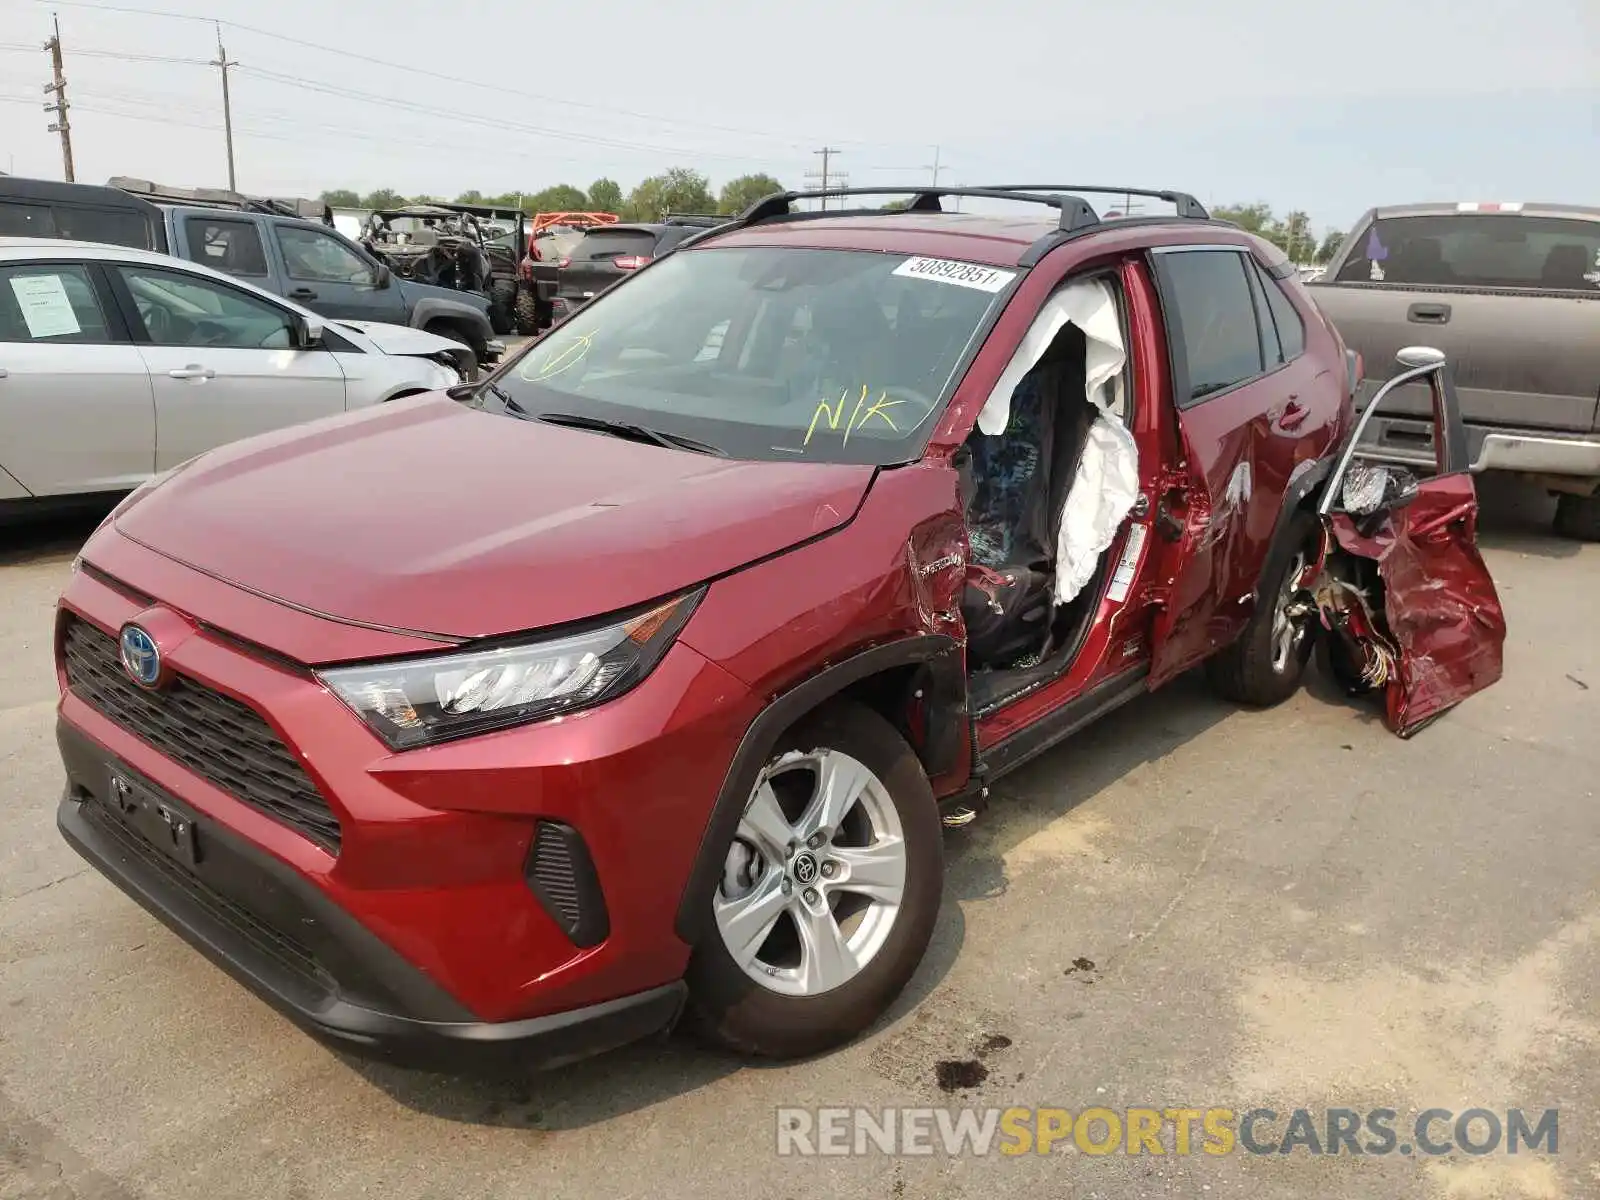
(967, 275)
(1128, 568)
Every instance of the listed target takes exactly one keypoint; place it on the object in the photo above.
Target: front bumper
(1409, 441)
(279, 935)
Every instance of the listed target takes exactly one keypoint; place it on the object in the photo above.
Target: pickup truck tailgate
(1529, 361)
(1510, 293)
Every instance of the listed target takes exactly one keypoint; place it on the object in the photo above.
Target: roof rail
(283, 206)
(1188, 207)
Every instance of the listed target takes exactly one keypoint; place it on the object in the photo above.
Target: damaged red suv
(640, 680)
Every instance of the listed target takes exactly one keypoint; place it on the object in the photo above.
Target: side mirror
(1419, 356)
(308, 332)
(385, 277)
(1371, 488)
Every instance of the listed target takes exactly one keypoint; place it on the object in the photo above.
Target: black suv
(608, 253)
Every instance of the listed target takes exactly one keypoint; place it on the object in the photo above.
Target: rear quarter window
(1478, 250)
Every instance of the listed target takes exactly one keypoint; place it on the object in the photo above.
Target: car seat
(1564, 266)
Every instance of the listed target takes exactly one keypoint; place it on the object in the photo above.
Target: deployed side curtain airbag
(1106, 481)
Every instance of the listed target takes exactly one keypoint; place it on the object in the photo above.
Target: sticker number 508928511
(962, 274)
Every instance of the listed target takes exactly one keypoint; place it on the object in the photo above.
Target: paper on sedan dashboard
(45, 307)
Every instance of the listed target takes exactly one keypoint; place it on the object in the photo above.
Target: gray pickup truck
(307, 261)
(1511, 294)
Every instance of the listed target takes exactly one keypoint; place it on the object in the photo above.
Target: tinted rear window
(611, 243)
(1478, 250)
(26, 220)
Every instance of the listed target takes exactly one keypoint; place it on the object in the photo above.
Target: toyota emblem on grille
(141, 657)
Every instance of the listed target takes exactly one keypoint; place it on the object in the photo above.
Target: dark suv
(609, 253)
(643, 677)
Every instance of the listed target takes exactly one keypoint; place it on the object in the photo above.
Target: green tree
(605, 195)
(1295, 238)
(383, 198)
(1253, 218)
(472, 197)
(563, 197)
(679, 190)
(341, 198)
(739, 194)
(1329, 245)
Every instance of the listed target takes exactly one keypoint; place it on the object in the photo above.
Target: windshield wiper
(637, 433)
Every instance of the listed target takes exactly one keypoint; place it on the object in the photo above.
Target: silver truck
(1511, 294)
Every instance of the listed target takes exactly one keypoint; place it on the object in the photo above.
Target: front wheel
(1265, 665)
(829, 891)
(1578, 517)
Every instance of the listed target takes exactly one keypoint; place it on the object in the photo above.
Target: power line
(411, 69)
(227, 108)
(59, 87)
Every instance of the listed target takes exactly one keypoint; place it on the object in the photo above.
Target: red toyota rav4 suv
(637, 679)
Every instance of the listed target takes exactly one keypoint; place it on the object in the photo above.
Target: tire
(526, 307)
(1263, 667)
(1578, 517)
(450, 333)
(502, 306)
(792, 1002)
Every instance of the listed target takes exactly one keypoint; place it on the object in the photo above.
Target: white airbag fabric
(1107, 480)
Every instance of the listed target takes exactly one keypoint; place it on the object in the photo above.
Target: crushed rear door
(1408, 606)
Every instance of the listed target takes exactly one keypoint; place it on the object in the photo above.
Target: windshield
(1499, 250)
(832, 355)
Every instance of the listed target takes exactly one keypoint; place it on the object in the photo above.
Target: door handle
(1429, 314)
(302, 294)
(193, 371)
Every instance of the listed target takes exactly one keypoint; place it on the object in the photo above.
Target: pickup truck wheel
(527, 309)
(828, 894)
(469, 372)
(1264, 666)
(1578, 517)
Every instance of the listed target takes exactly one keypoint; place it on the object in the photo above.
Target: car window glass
(1271, 347)
(186, 310)
(311, 254)
(25, 220)
(608, 243)
(108, 225)
(1489, 250)
(1286, 318)
(1221, 343)
(49, 302)
(233, 247)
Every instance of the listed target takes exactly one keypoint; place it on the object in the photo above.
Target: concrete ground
(1188, 905)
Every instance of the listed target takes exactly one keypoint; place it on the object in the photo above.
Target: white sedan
(117, 364)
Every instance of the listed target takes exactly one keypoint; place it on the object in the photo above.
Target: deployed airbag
(1106, 481)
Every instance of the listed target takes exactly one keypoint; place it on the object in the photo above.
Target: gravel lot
(1188, 905)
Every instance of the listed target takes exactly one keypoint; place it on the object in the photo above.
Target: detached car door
(330, 276)
(222, 361)
(77, 414)
(1440, 634)
(1219, 500)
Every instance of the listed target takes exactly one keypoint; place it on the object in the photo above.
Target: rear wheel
(829, 891)
(1578, 517)
(1265, 665)
(527, 312)
(502, 306)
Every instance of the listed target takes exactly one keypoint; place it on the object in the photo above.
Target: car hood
(399, 339)
(429, 516)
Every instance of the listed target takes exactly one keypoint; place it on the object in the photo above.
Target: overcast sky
(1310, 104)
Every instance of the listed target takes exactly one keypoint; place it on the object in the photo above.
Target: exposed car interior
(1047, 486)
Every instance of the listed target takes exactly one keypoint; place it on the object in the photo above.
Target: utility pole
(827, 177)
(223, 64)
(934, 167)
(59, 87)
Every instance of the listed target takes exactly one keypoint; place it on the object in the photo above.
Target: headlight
(416, 701)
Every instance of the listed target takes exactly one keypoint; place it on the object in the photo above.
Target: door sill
(1055, 727)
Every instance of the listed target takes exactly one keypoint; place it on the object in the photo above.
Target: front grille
(225, 742)
(291, 955)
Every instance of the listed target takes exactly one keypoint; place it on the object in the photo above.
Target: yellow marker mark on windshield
(834, 413)
(553, 363)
